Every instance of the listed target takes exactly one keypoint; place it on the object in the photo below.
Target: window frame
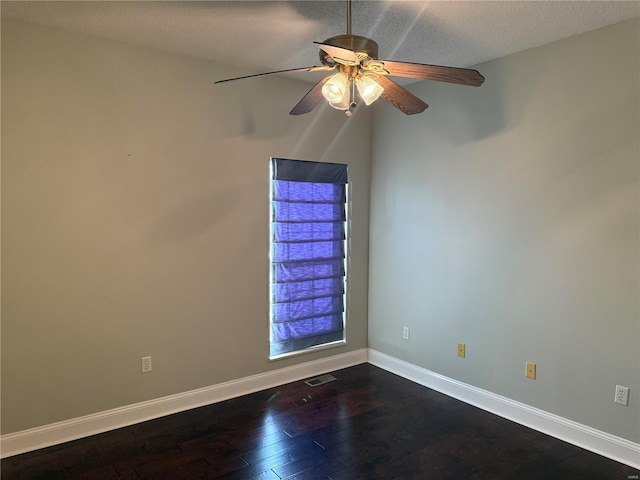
(345, 279)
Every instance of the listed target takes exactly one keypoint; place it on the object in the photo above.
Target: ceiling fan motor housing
(355, 43)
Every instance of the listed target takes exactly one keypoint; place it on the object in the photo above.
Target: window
(308, 245)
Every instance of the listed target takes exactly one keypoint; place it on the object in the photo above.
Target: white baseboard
(605, 444)
(60, 432)
(602, 443)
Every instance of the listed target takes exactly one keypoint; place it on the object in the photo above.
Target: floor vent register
(321, 380)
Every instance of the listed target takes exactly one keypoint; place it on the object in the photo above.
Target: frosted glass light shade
(336, 88)
(342, 104)
(368, 89)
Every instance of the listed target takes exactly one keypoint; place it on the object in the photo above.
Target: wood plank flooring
(368, 424)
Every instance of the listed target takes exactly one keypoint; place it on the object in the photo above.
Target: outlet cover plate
(146, 364)
(531, 370)
(622, 395)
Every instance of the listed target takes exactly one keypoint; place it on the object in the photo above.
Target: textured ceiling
(260, 36)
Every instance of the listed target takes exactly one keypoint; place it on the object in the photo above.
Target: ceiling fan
(361, 75)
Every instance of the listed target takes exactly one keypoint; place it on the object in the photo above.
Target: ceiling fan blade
(302, 69)
(462, 76)
(312, 98)
(340, 55)
(400, 97)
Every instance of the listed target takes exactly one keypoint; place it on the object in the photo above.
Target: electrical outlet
(405, 333)
(622, 395)
(146, 364)
(461, 350)
(531, 370)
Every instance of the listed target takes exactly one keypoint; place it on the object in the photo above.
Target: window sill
(326, 346)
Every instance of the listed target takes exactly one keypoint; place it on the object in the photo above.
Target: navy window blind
(308, 216)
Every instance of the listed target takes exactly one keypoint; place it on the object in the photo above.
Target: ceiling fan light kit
(358, 70)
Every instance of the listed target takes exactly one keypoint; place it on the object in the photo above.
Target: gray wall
(135, 221)
(506, 217)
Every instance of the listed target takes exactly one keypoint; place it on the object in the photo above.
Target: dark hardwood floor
(369, 424)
